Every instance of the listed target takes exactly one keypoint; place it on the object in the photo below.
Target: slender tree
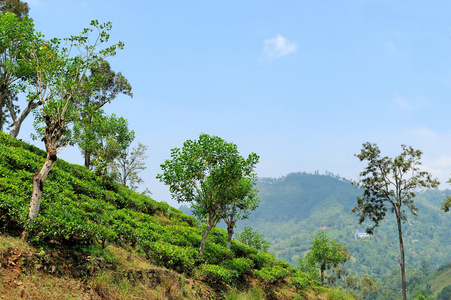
(129, 163)
(389, 184)
(202, 173)
(60, 78)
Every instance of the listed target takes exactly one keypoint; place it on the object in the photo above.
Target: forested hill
(298, 196)
(295, 207)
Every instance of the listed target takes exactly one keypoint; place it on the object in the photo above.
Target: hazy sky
(301, 83)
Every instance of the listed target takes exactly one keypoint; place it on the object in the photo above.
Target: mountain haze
(295, 207)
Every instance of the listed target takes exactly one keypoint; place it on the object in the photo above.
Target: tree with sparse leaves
(202, 172)
(60, 77)
(390, 184)
(128, 164)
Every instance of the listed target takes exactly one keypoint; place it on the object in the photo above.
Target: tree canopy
(202, 172)
(60, 77)
(324, 253)
(390, 184)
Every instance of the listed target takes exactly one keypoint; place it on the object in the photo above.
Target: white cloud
(277, 47)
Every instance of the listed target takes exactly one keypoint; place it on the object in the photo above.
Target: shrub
(216, 274)
(301, 281)
(272, 274)
(172, 256)
(214, 253)
(262, 259)
(242, 250)
(241, 265)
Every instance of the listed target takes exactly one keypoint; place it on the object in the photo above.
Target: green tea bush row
(242, 265)
(272, 274)
(171, 256)
(263, 259)
(217, 274)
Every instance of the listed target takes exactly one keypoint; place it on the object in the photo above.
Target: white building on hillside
(360, 233)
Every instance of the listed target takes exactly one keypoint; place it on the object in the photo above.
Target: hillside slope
(294, 208)
(101, 236)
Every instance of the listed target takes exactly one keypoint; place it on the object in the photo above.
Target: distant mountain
(295, 207)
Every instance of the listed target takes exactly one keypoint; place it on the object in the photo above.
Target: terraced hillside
(94, 238)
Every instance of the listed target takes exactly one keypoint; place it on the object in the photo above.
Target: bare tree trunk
(87, 160)
(38, 186)
(402, 261)
(230, 226)
(323, 268)
(211, 222)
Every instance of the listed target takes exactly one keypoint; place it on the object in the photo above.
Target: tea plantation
(88, 216)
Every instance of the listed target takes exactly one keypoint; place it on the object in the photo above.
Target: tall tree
(17, 36)
(60, 78)
(202, 172)
(389, 184)
(95, 96)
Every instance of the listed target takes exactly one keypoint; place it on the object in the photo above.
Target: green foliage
(253, 239)
(325, 253)
(263, 259)
(272, 274)
(390, 184)
(446, 203)
(242, 265)
(338, 294)
(217, 274)
(78, 211)
(205, 172)
(301, 281)
(445, 293)
(172, 256)
(242, 250)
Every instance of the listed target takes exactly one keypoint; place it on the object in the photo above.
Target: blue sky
(301, 83)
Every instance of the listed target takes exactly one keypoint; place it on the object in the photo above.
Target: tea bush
(218, 274)
(272, 274)
(263, 259)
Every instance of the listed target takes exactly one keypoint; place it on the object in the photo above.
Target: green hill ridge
(297, 206)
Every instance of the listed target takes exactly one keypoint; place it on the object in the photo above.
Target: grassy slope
(87, 225)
